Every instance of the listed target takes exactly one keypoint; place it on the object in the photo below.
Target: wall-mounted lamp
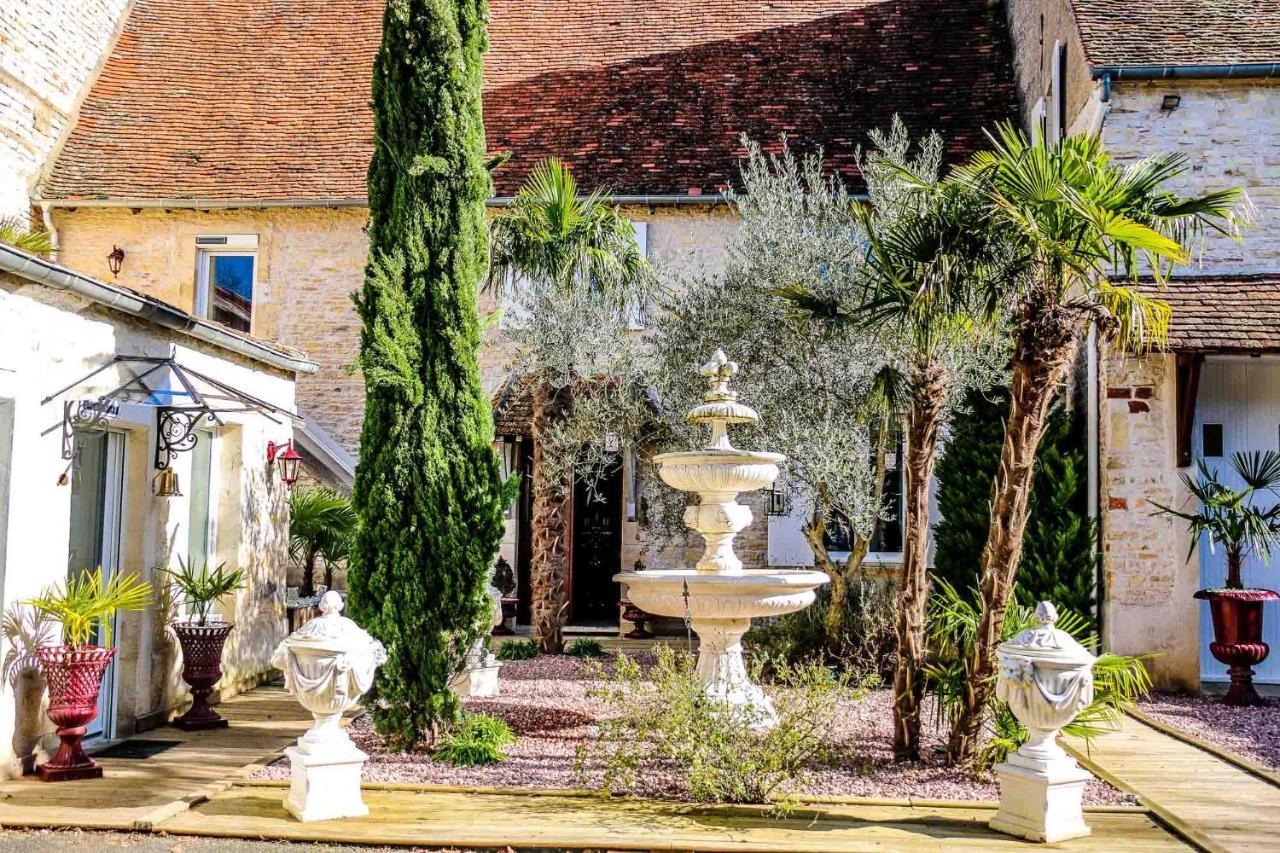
(288, 459)
(1169, 103)
(115, 260)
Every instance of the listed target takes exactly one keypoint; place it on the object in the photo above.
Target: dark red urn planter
(74, 677)
(1237, 635)
(509, 605)
(201, 669)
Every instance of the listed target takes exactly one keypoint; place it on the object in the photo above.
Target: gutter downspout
(151, 310)
(46, 214)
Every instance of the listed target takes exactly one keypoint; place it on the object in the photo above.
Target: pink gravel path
(1252, 733)
(545, 702)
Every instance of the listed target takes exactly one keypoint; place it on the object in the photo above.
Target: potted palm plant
(1233, 520)
(85, 607)
(202, 637)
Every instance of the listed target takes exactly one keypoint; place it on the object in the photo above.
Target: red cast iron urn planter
(74, 676)
(201, 669)
(509, 605)
(1237, 635)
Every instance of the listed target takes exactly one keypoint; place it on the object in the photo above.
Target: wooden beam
(1188, 386)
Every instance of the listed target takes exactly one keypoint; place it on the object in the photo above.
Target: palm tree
(553, 245)
(921, 262)
(322, 523)
(13, 232)
(1083, 229)
(1229, 515)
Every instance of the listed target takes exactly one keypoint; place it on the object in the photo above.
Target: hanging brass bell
(165, 484)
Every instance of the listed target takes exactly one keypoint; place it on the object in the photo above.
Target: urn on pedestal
(328, 665)
(1046, 677)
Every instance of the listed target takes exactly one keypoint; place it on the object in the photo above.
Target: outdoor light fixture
(115, 259)
(1169, 103)
(165, 484)
(288, 459)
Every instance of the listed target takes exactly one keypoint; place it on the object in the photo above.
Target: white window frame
(224, 246)
(211, 510)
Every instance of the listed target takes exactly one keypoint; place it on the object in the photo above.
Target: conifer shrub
(428, 491)
(1059, 560)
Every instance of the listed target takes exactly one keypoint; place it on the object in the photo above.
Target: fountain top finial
(721, 406)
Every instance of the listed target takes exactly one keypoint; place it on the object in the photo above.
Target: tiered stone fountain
(719, 597)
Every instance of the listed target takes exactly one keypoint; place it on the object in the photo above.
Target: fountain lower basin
(720, 608)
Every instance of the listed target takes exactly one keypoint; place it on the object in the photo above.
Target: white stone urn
(328, 664)
(718, 596)
(1046, 678)
(479, 676)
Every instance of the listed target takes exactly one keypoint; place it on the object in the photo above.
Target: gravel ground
(1252, 733)
(545, 702)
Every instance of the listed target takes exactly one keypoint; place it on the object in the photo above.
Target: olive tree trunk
(929, 397)
(549, 529)
(1045, 346)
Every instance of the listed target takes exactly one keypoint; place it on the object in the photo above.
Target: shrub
(1059, 560)
(1118, 680)
(585, 647)
(479, 740)
(867, 641)
(518, 650)
(664, 715)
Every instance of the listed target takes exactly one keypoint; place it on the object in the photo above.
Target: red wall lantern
(288, 459)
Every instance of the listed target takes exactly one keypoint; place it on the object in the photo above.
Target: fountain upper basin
(750, 594)
(717, 471)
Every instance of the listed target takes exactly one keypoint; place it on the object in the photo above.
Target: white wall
(52, 339)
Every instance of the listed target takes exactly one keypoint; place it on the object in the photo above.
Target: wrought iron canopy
(182, 396)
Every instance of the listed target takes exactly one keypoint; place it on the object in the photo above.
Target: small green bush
(518, 650)
(585, 647)
(479, 740)
(663, 715)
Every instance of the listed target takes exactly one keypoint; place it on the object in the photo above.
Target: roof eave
(41, 271)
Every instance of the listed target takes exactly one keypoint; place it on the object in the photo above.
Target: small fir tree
(428, 489)
(1060, 561)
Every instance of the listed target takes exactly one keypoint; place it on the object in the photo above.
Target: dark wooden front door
(597, 548)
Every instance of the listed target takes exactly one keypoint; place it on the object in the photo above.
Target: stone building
(1202, 79)
(223, 147)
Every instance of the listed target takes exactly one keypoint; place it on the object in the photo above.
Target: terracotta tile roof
(1223, 314)
(243, 99)
(1179, 32)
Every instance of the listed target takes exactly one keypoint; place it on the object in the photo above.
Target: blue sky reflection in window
(231, 290)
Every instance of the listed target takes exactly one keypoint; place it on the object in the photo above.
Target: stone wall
(1034, 26)
(1148, 578)
(49, 52)
(310, 261)
(1228, 131)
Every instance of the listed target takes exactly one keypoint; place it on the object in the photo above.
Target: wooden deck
(1218, 805)
(139, 794)
(200, 787)
(560, 822)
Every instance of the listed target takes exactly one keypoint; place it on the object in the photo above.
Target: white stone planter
(328, 664)
(1046, 677)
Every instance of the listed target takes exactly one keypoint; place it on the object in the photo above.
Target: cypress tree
(1059, 562)
(428, 488)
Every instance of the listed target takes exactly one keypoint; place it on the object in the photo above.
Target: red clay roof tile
(1179, 32)
(1223, 313)
(251, 100)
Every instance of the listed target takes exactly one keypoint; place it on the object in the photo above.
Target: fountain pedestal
(718, 597)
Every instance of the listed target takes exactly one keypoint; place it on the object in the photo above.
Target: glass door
(97, 479)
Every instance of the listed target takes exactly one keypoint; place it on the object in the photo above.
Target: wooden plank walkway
(1218, 805)
(200, 787)
(556, 822)
(138, 794)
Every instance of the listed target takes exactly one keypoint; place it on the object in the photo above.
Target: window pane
(198, 519)
(231, 290)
